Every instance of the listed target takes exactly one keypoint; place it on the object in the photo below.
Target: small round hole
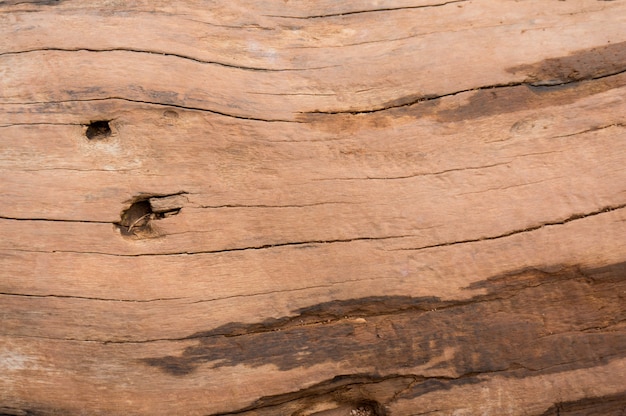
(97, 130)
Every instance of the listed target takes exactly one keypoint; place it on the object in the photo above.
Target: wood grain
(313, 208)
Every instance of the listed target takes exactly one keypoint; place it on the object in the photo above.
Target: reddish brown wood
(312, 208)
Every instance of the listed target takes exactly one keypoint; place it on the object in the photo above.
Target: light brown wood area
(299, 208)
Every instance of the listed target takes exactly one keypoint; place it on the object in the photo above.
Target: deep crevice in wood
(137, 219)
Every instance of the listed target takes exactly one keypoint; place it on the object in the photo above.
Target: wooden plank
(312, 208)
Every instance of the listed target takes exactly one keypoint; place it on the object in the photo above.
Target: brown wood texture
(340, 208)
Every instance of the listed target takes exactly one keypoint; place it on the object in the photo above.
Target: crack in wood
(112, 170)
(39, 124)
(590, 130)
(314, 204)
(571, 218)
(155, 103)
(226, 250)
(417, 175)
(3, 217)
(303, 120)
(591, 65)
(554, 84)
(167, 54)
(388, 9)
(434, 97)
(56, 296)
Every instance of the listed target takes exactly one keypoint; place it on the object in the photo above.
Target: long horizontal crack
(387, 9)
(226, 250)
(49, 338)
(252, 26)
(433, 97)
(353, 112)
(562, 136)
(295, 94)
(273, 292)
(170, 54)
(297, 289)
(3, 217)
(216, 299)
(590, 130)
(86, 298)
(40, 124)
(415, 175)
(525, 230)
(276, 206)
(515, 185)
(80, 170)
(400, 38)
(346, 240)
(183, 107)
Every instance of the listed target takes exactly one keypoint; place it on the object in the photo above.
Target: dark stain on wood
(31, 411)
(613, 405)
(504, 100)
(552, 82)
(526, 321)
(582, 65)
(34, 2)
(345, 122)
(487, 102)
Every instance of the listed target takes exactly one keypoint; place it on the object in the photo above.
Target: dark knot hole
(97, 130)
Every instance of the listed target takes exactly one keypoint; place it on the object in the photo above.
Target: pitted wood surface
(312, 208)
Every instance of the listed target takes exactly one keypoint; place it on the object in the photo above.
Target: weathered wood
(313, 208)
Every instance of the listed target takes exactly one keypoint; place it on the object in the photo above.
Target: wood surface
(356, 208)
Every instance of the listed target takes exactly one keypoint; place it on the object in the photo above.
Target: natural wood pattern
(313, 208)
